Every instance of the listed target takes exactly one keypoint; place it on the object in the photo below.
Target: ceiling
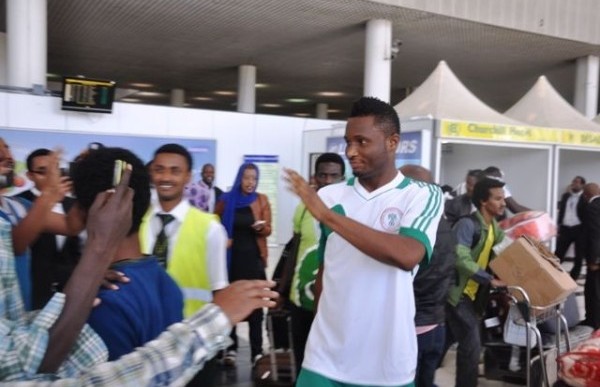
(300, 47)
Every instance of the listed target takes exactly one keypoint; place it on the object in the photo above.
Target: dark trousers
(464, 323)
(567, 236)
(431, 349)
(207, 376)
(591, 294)
(255, 327)
(301, 321)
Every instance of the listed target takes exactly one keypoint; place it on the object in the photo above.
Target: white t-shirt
(364, 330)
(216, 248)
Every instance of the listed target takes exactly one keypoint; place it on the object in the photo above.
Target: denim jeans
(465, 326)
(431, 348)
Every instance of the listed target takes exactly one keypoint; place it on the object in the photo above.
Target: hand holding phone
(119, 168)
(259, 225)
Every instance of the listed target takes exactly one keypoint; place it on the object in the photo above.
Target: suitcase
(278, 367)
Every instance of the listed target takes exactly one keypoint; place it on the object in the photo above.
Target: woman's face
(248, 181)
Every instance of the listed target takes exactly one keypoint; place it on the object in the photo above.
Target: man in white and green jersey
(376, 229)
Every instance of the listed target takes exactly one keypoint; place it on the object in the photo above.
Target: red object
(581, 367)
(18, 181)
(534, 224)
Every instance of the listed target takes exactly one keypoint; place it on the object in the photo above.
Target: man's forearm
(32, 225)
(392, 249)
(80, 291)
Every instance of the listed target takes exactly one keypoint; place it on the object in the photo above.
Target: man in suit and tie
(53, 256)
(570, 210)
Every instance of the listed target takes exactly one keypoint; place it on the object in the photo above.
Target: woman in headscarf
(246, 215)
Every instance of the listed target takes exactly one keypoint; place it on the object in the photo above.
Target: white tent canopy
(543, 106)
(443, 96)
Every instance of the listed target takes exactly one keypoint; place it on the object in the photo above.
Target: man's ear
(393, 141)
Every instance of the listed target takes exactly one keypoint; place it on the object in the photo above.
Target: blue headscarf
(235, 199)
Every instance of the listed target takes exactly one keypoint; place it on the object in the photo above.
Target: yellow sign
(580, 137)
(496, 132)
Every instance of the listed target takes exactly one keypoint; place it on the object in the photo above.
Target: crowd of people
(138, 275)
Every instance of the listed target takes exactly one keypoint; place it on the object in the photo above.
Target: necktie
(161, 247)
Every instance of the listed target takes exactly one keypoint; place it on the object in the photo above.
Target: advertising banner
(23, 142)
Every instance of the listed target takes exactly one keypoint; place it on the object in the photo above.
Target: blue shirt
(139, 311)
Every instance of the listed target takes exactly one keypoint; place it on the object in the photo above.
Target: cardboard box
(530, 265)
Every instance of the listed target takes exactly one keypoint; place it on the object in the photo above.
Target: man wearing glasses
(53, 256)
(29, 220)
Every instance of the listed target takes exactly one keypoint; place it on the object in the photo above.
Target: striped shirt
(171, 359)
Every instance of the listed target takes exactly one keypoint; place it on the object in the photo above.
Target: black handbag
(285, 267)
(284, 271)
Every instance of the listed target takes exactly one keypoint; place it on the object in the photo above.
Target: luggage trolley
(278, 367)
(528, 317)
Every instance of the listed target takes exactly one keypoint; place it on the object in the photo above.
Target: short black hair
(94, 174)
(177, 149)
(476, 173)
(36, 153)
(481, 191)
(386, 118)
(331, 157)
(581, 178)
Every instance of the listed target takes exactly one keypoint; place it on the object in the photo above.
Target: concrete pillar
(26, 45)
(378, 56)
(177, 97)
(586, 85)
(321, 111)
(246, 102)
(2, 58)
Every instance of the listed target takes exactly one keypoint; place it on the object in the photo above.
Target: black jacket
(562, 205)
(433, 280)
(457, 208)
(51, 267)
(591, 228)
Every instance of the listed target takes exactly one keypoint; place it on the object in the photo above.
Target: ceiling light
(130, 100)
(302, 114)
(225, 92)
(202, 99)
(334, 111)
(261, 85)
(141, 84)
(270, 105)
(330, 93)
(149, 94)
(297, 100)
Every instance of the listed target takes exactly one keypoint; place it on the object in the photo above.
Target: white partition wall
(571, 162)
(236, 134)
(527, 168)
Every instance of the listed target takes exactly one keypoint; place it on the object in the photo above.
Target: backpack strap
(476, 230)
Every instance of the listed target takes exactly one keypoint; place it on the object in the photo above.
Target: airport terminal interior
(475, 84)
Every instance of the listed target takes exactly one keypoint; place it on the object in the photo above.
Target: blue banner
(410, 149)
(23, 142)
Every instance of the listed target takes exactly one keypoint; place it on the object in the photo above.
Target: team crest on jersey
(390, 219)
